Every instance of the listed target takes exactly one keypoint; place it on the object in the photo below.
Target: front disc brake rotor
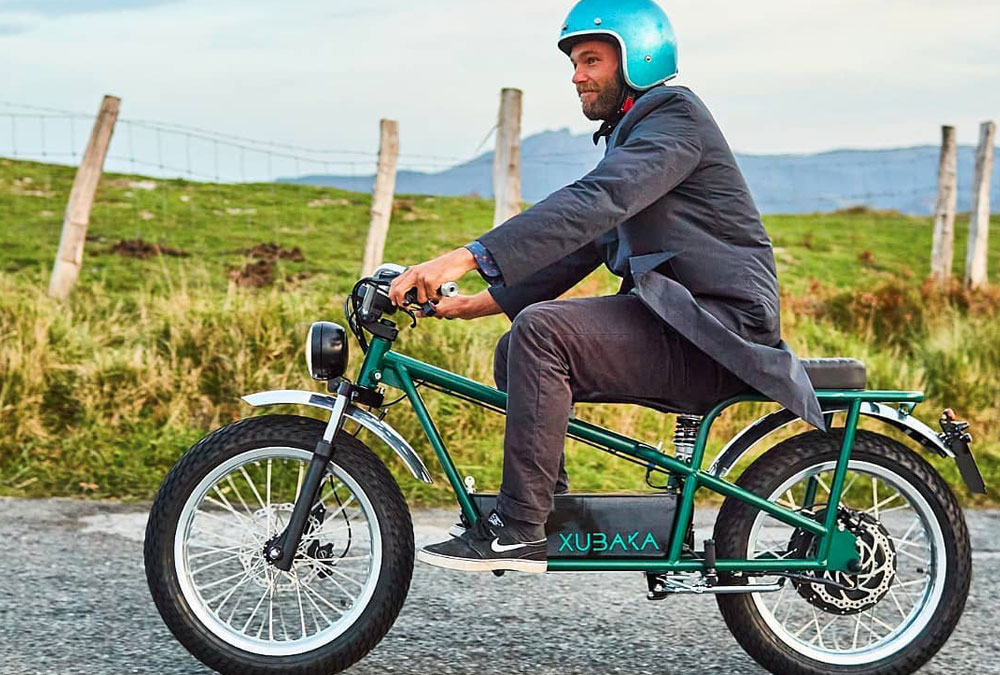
(854, 592)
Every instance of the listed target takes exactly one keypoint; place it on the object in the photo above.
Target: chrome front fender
(743, 442)
(386, 433)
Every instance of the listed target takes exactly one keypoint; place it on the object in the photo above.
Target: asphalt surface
(73, 599)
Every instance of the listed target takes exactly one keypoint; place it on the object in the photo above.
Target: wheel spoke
(226, 507)
(247, 577)
(214, 564)
(224, 521)
(253, 486)
(239, 598)
(892, 594)
(789, 500)
(267, 492)
(922, 561)
(341, 508)
(847, 487)
(239, 495)
(344, 576)
(310, 589)
(316, 607)
(302, 612)
(298, 481)
(211, 550)
(256, 607)
(781, 596)
(875, 510)
(215, 583)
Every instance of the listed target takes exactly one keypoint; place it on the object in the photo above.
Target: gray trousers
(598, 350)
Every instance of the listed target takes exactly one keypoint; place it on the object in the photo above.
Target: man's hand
(427, 277)
(465, 307)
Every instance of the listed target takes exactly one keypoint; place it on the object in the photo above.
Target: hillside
(193, 294)
(903, 179)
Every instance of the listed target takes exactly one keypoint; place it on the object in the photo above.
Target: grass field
(101, 394)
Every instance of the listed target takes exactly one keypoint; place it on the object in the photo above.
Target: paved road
(73, 599)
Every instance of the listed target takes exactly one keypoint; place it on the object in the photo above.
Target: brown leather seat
(835, 373)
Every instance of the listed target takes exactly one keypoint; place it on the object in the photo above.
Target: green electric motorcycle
(282, 544)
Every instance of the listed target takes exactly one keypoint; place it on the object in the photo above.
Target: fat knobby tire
(353, 457)
(787, 458)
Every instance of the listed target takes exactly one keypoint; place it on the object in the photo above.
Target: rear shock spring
(685, 435)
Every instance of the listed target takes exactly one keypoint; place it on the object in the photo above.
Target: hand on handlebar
(427, 278)
(429, 308)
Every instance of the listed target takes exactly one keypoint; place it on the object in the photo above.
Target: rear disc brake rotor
(865, 588)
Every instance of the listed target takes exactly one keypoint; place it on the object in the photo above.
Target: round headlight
(326, 350)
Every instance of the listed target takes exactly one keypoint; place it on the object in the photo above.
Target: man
(696, 319)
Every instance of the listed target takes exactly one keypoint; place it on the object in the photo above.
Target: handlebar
(368, 303)
(373, 294)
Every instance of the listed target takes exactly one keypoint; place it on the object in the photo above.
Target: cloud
(65, 7)
(12, 29)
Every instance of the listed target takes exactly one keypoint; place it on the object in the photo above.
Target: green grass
(101, 394)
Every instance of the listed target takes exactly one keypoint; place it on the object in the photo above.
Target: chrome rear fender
(386, 433)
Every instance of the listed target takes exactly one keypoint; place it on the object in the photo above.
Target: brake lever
(448, 289)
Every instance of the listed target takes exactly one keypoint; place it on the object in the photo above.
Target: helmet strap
(625, 103)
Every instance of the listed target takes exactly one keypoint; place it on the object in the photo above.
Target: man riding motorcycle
(696, 319)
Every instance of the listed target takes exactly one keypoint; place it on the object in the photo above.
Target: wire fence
(904, 179)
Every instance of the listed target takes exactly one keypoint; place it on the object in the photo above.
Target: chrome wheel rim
(236, 594)
(901, 612)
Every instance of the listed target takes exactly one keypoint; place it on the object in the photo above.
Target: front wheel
(904, 602)
(205, 539)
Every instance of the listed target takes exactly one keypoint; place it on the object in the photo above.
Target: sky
(779, 75)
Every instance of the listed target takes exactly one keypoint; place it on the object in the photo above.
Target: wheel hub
(265, 523)
(843, 592)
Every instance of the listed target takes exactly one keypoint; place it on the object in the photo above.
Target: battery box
(604, 526)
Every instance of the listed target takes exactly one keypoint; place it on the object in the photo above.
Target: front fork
(280, 550)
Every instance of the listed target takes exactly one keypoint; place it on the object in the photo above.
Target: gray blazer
(668, 210)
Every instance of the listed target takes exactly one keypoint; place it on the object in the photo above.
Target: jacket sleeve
(547, 283)
(661, 150)
(488, 268)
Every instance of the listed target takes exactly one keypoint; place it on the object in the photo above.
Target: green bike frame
(836, 551)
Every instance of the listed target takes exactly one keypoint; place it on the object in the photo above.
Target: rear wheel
(899, 609)
(205, 540)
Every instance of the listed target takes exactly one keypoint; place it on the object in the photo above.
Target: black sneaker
(490, 545)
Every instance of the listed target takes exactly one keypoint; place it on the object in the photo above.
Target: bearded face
(597, 77)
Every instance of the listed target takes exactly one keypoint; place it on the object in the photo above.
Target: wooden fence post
(507, 158)
(979, 221)
(66, 270)
(942, 249)
(385, 187)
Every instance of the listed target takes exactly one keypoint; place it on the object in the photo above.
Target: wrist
(467, 258)
(484, 304)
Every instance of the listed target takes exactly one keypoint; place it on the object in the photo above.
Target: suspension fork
(280, 550)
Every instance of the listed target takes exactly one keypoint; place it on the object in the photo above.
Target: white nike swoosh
(503, 548)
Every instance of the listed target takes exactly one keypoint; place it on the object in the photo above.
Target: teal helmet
(641, 29)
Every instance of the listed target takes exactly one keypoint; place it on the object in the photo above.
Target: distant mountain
(904, 179)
